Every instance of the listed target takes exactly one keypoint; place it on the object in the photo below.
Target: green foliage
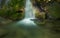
(15, 2)
(10, 11)
(54, 10)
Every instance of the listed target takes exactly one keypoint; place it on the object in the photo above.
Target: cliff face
(50, 7)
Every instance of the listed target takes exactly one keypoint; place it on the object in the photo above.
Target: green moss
(10, 10)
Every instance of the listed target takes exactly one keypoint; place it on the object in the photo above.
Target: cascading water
(29, 14)
(29, 10)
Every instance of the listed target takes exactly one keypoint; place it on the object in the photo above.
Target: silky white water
(29, 14)
(29, 10)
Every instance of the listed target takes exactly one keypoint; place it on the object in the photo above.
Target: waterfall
(29, 10)
(29, 15)
(0, 2)
(6, 2)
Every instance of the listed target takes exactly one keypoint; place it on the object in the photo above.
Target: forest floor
(11, 31)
